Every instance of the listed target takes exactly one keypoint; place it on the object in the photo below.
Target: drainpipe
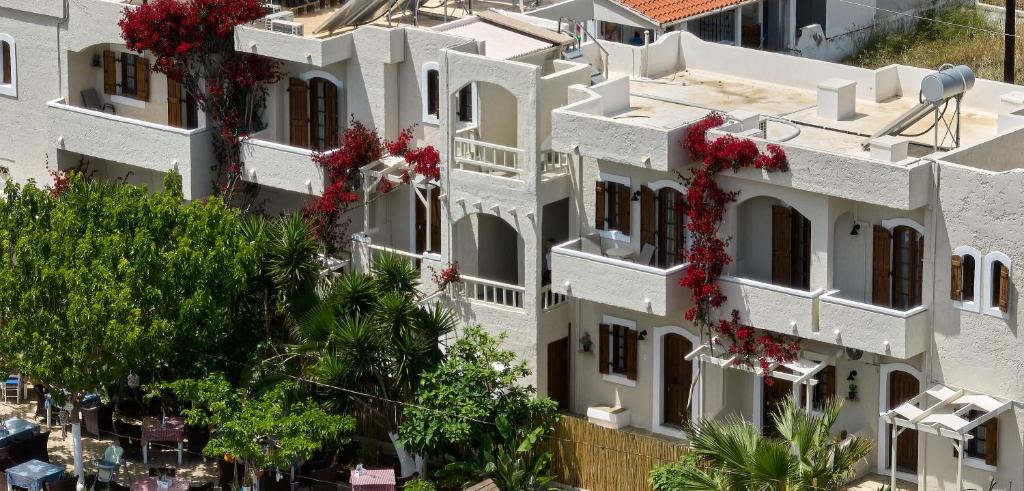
(60, 67)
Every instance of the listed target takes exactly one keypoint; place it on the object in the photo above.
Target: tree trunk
(76, 437)
(409, 463)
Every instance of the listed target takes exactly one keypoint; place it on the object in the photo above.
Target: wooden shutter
(173, 103)
(622, 210)
(109, 73)
(435, 220)
(992, 441)
(5, 58)
(602, 348)
(631, 338)
(299, 115)
(599, 208)
(880, 266)
(648, 212)
(1004, 288)
(315, 87)
(191, 111)
(956, 277)
(782, 245)
(830, 381)
(806, 260)
(331, 112)
(918, 262)
(433, 93)
(141, 78)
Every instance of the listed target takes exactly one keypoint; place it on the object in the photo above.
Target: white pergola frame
(390, 167)
(944, 418)
(804, 370)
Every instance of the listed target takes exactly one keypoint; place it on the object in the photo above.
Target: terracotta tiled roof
(665, 11)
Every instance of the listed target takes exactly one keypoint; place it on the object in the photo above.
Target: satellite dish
(854, 353)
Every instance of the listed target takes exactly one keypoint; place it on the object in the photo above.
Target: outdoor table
(621, 253)
(17, 429)
(151, 484)
(32, 474)
(152, 431)
(373, 480)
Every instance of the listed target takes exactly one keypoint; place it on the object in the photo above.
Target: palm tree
(732, 455)
(368, 335)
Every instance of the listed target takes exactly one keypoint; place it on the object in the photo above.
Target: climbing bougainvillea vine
(360, 146)
(705, 208)
(193, 44)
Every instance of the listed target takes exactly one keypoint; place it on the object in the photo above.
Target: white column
(892, 463)
(791, 24)
(738, 23)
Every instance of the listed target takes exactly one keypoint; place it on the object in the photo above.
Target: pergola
(799, 371)
(947, 418)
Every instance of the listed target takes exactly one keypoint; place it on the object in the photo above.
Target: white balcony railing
(488, 158)
(554, 162)
(550, 299)
(377, 250)
(492, 292)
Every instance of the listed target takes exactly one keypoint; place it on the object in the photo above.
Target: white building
(850, 252)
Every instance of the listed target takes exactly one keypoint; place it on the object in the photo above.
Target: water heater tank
(947, 83)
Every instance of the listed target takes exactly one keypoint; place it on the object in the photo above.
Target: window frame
(987, 282)
(626, 325)
(973, 305)
(608, 232)
(10, 88)
(428, 116)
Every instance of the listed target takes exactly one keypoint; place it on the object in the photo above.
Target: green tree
(259, 430)
(368, 334)
(478, 383)
(733, 455)
(511, 459)
(99, 280)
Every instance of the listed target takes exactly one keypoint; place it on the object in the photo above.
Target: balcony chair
(646, 254)
(98, 420)
(107, 467)
(12, 386)
(91, 100)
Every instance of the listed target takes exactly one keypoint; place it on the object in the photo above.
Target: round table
(621, 253)
(150, 484)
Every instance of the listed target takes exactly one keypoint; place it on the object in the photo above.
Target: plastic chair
(107, 467)
(646, 254)
(13, 382)
(91, 100)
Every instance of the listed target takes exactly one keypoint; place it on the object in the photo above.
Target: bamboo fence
(592, 457)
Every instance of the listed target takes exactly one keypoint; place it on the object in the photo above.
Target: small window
(8, 66)
(825, 389)
(465, 104)
(617, 350)
(612, 206)
(618, 353)
(433, 93)
(1000, 289)
(129, 81)
(983, 444)
(967, 286)
(6, 61)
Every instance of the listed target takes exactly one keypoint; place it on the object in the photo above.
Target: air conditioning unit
(284, 15)
(270, 8)
(287, 27)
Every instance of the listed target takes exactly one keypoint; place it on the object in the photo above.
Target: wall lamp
(636, 195)
(855, 230)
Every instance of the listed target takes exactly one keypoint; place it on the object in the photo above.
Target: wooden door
(782, 245)
(902, 387)
(421, 225)
(678, 378)
(558, 372)
(880, 269)
(174, 103)
(435, 220)
(775, 393)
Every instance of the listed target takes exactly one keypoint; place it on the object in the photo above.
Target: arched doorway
(313, 113)
(903, 386)
(490, 248)
(774, 243)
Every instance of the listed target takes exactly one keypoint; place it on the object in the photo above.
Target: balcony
(880, 330)
(586, 273)
(134, 142)
(488, 158)
(771, 307)
(282, 167)
(489, 292)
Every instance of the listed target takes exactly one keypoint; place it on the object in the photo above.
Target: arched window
(898, 264)
(430, 84)
(8, 66)
(997, 297)
(965, 278)
(314, 106)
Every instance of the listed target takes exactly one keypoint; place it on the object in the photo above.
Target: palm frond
(394, 273)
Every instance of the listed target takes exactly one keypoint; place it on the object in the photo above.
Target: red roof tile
(665, 11)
